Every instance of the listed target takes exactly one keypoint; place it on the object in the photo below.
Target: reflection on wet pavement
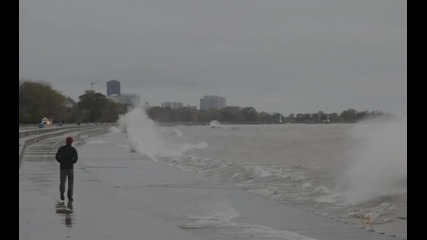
(68, 221)
(67, 211)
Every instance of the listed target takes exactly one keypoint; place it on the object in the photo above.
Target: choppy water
(347, 170)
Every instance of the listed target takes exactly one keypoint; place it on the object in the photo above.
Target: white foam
(378, 160)
(124, 146)
(330, 198)
(146, 138)
(214, 124)
(114, 129)
(306, 185)
(187, 146)
(268, 232)
(222, 214)
(177, 132)
(261, 171)
(321, 189)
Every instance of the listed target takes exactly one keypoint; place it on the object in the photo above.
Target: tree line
(235, 114)
(38, 100)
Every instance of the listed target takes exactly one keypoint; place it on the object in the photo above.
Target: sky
(286, 56)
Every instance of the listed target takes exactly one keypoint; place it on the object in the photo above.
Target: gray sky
(287, 56)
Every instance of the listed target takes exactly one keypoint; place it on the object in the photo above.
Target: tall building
(212, 102)
(113, 87)
(173, 105)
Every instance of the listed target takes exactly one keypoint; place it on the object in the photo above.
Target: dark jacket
(66, 156)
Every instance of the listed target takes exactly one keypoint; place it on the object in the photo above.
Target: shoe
(62, 198)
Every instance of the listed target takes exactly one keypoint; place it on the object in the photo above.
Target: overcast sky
(287, 56)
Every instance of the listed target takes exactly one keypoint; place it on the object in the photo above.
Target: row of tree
(38, 100)
(234, 114)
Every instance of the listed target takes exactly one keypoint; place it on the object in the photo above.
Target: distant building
(130, 99)
(113, 87)
(212, 102)
(173, 105)
(191, 107)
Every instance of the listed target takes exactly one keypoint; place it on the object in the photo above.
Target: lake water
(346, 170)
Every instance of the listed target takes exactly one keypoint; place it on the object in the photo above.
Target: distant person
(67, 157)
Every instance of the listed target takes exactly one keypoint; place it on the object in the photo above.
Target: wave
(146, 138)
(214, 124)
(291, 184)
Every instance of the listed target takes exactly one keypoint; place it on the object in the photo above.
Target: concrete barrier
(26, 133)
(89, 130)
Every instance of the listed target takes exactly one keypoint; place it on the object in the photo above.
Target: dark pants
(63, 177)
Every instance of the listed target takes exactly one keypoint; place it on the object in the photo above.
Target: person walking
(67, 157)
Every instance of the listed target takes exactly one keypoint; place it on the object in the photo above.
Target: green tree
(250, 114)
(160, 114)
(94, 104)
(38, 100)
(184, 114)
(348, 115)
(333, 117)
(291, 117)
(112, 110)
(231, 114)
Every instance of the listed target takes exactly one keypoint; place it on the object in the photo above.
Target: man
(67, 157)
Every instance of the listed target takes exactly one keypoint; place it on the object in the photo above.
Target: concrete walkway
(123, 195)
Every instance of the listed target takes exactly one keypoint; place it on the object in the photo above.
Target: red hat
(69, 140)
